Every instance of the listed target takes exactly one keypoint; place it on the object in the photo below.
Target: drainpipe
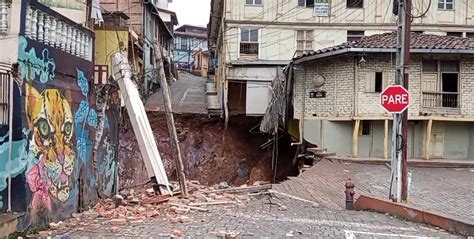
(301, 123)
(10, 146)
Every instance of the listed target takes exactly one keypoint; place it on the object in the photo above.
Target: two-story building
(188, 39)
(335, 96)
(58, 150)
(252, 37)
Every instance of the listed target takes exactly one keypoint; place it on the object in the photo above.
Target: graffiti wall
(64, 148)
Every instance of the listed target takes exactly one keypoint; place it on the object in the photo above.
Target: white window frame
(305, 4)
(258, 39)
(305, 41)
(254, 3)
(445, 3)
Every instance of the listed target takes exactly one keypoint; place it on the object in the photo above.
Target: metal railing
(440, 99)
(249, 48)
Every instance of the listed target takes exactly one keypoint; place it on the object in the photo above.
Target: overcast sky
(192, 12)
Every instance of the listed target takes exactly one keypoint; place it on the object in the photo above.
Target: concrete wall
(336, 136)
(332, 135)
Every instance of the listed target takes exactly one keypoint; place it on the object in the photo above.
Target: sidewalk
(445, 190)
(432, 163)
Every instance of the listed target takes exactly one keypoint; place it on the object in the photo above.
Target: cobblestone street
(263, 217)
(324, 181)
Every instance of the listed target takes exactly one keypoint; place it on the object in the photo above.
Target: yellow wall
(107, 43)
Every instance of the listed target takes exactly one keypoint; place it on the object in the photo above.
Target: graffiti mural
(51, 122)
(32, 66)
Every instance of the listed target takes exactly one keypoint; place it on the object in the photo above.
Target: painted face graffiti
(50, 120)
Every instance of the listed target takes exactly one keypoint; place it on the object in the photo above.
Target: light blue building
(187, 40)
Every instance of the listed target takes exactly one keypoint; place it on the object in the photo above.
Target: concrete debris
(223, 185)
(136, 207)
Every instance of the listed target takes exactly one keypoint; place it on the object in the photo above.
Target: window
(355, 4)
(306, 3)
(304, 41)
(253, 2)
(445, 4)
(100, 74)
(378, 82)
(454, 34)
(4, 98)
(470, 34)
(249, 41)
(417, 32)
(375, 82)
(440, 84)
(184, 44)
(354, 35)
(366, 128)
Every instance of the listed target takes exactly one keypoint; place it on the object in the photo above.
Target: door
(437, 140)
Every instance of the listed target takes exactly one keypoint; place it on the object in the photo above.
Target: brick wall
(339, 86)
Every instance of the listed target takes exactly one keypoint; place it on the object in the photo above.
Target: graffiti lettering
(32, 66)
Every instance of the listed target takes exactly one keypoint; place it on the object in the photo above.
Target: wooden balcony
(440, 102)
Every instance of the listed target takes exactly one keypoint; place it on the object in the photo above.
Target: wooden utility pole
(399, 162)
(406, 63)
(165, 90)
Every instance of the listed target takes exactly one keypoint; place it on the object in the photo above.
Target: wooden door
(437, 140)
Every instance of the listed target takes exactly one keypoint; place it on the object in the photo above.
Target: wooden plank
(190, 207)
(212, 203)
(249, 189)
(427, 140)
(355, 139)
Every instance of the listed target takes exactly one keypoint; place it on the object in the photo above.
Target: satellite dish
(318, 80)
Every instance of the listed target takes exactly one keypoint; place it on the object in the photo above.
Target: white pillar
(64, 36)
(40, 26)
(52, 33)
(3, 16)
(69, 39)
(47, 28)
(34, 26)
(29, 12)
(59, 34)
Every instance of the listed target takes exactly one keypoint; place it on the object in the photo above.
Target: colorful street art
(56, 128)
(50, 120)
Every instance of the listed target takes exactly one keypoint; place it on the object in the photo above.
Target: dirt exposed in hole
(211, 153)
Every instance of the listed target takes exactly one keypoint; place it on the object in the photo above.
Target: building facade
(52, 132)
(188, 39)
(251, 37)
(336, 97)
(153, 32)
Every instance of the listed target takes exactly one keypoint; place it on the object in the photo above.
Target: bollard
(349, 194)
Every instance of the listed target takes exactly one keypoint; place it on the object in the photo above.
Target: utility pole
(165, 90)
(399, 168)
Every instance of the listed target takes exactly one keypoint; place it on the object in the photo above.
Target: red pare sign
(395, 99)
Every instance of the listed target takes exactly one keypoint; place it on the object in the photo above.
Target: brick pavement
(443, 190)
(261, 218)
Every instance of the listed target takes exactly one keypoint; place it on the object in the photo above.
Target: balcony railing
(3, 17)
(440, 99)
(44, 25)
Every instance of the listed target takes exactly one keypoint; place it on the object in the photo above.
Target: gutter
(379, 50)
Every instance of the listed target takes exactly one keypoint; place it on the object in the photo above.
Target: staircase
(311, 156)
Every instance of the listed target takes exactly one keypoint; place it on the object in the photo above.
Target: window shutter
(370, 82)
(429, 82)
(385, 80)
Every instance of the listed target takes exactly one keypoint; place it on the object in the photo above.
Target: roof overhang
(378, 50)
(259, 63)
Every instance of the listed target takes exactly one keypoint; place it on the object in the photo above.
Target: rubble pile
(134, 207)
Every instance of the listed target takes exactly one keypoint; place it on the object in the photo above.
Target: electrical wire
(408, 11)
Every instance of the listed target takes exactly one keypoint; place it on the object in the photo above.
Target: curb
(446, 222)
(412, 163)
